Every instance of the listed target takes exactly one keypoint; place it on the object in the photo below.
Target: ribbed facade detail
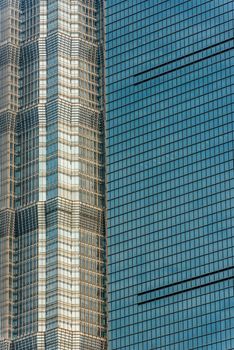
(9, 75)
(52, 262)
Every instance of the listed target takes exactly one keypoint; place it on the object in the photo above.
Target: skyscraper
(52, 232)
(170, 173)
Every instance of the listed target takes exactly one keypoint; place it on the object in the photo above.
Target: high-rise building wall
(53, 258)
(170, 173)
(9, 81)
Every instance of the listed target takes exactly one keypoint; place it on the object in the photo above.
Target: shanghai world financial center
(116, 122)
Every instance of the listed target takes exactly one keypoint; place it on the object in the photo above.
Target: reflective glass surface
(170, 174)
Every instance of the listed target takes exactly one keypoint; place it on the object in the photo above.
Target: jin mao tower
(52, 232)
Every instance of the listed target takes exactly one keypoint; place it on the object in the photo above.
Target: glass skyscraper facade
(170, 174)
(52, 198)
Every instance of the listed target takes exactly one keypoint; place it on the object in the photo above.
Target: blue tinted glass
(170, 173)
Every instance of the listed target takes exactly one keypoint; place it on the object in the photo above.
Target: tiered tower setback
(52, 233)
